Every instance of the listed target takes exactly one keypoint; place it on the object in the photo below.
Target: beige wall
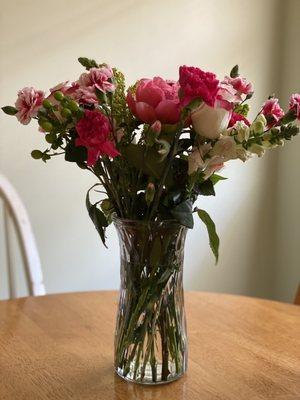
(288, 187)
(40, 42)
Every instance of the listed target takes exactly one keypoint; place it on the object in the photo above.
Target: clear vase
(150, 337)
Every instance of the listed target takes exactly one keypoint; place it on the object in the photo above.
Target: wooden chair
(15, 212)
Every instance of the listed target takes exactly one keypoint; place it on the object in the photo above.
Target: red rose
(94, 131)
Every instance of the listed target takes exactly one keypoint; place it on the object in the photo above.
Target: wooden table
(61, 347)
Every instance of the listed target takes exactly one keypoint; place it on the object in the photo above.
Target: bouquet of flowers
(154, 148)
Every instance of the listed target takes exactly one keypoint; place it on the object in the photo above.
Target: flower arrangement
(156, 148)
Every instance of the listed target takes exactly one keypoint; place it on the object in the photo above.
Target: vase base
(147, 381)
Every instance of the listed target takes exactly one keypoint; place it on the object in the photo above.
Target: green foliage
(119, 105)
(214, 240)
(74, 153)
(9, 110)
(288, 131)
(148, 161)
(234, 72)
(242, 109)
(205, 188)
(183, 213)
(97, 216)
(88, 63)
(215, 178)
(290, 116)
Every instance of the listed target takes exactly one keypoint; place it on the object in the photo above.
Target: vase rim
(134, 222)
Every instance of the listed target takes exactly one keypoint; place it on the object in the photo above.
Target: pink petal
(168, 112)
(145, 112)
(131, 102)
(149, 93)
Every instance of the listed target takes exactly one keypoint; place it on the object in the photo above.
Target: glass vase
(150, 337)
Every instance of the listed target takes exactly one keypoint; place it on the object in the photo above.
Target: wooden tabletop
(61, 347)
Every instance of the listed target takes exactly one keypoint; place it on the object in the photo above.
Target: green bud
(47, 104)
(73, 106)
(66, 113)
(46, 125)
(257, 127)
(106, 206)
(36, 154)
(59, 96)
(50, 137)
(9, 110)
(150, 192)
(234, 72)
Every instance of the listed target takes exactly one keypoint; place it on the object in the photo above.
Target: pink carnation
(65, 88)
(227, 97)
(295, 104)
(96, 78)
(272, 111)
(195, 83)
(240, 84)
(28, 104)
(235, 117)
(94, 131)
(155, 100)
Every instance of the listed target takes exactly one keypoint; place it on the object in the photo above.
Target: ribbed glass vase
(150, 337)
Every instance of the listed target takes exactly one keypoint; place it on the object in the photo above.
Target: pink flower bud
(156, 127)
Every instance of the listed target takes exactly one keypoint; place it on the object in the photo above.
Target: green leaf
(74, 153)
(9, 110)
(87, 63)
(183, 213)
(155, 254)
(214, 240)
(215, 178)
(151, 163)
(97, 216)
(290, 116)
(205, 188)
(234, 72)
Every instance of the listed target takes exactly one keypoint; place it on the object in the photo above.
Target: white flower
(195, 159)
(257, 149)
(259, 124)
(242, 130)
(209, 121)
(225, 147)
(212, 165)
(242, 153)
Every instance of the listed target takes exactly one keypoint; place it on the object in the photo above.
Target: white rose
(209, 121)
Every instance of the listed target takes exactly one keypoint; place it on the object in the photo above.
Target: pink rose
(94, 131)
(272, 111)
(239, 84)
(235, 117)
(28, 103)
(155, 100)
(195, 83)
(295, 104)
